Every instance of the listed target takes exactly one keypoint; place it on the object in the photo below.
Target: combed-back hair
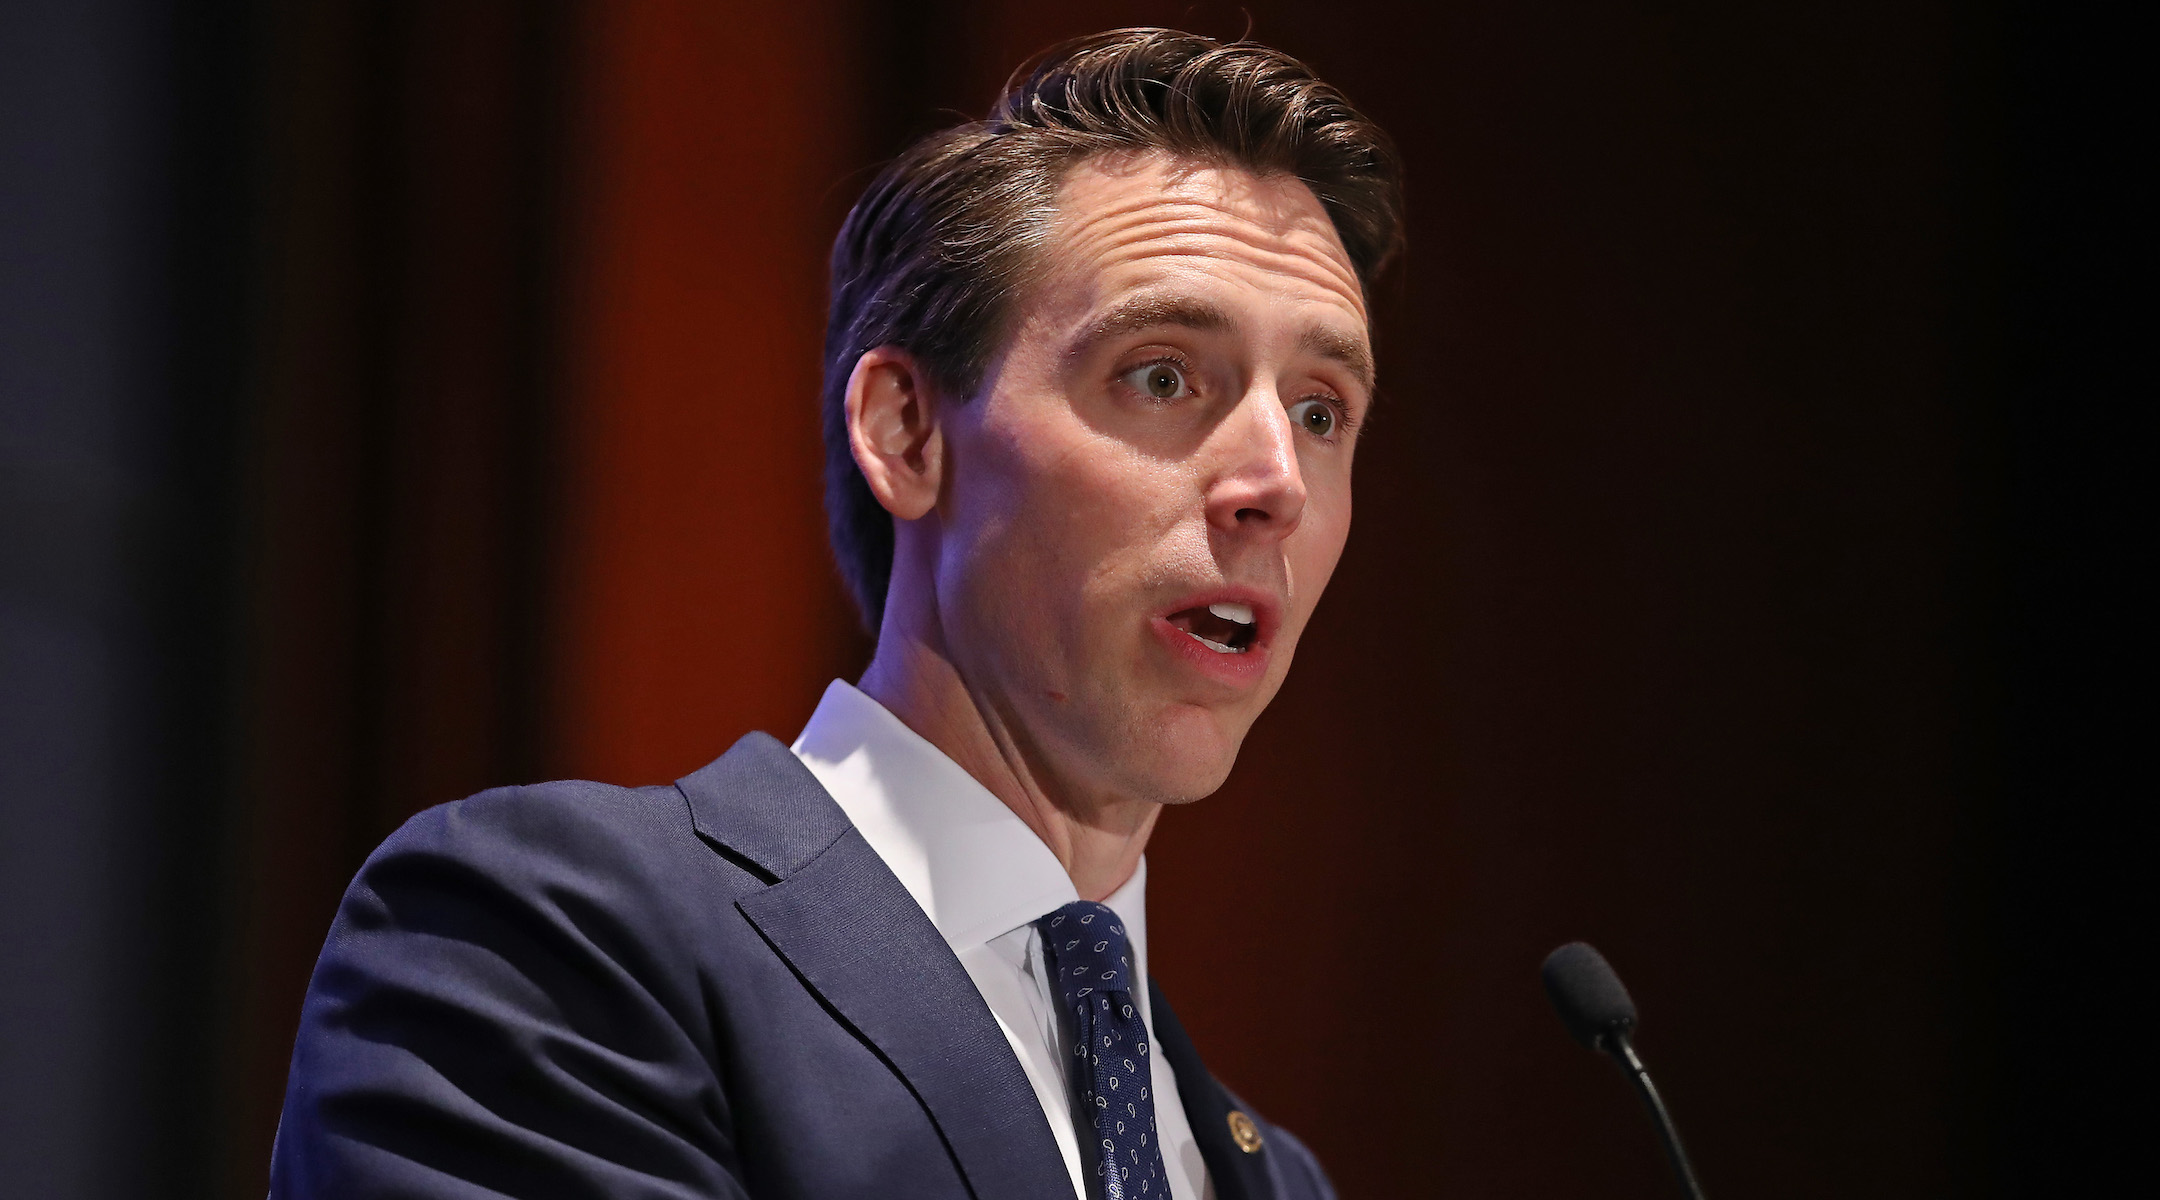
(933, 257)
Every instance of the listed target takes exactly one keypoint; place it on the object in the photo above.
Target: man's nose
(1259, 488)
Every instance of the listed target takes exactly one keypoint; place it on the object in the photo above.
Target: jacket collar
(971, 863)
(835, 912)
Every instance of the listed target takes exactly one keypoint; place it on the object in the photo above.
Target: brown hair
(934, 253)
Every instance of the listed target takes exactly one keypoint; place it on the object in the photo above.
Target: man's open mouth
(1224, 628)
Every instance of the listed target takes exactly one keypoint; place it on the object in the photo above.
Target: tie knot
(1087, 948)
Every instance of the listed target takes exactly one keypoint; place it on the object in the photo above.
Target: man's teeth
(1241, 613)
(1217, 647)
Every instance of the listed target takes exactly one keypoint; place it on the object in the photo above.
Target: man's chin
(1176, 785)
(1183, 760)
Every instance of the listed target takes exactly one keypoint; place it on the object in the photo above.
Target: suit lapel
(855, 937)
(1237, 1175)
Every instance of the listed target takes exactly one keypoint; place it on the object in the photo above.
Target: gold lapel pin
(1244, 1131)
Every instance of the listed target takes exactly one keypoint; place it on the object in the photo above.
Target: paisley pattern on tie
(1088, 953)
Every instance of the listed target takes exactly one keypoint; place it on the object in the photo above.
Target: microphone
(1597, 1011)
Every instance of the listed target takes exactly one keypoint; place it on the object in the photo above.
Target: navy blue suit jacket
(715, 989)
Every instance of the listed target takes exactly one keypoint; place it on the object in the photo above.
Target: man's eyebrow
(1152, 312)
(1330, 343)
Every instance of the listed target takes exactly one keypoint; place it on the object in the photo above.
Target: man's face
(1149, 494)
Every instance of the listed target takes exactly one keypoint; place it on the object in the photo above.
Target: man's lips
(1225, 632)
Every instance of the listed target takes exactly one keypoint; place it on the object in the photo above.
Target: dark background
(400, 399)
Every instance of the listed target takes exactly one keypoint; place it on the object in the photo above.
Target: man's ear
(894, 431)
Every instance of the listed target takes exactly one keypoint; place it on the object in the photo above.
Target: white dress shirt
(983, 877)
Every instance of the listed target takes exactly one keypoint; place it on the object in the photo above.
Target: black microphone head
(1587, 995)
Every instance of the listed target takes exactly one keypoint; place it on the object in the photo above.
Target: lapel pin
(1244, 1132)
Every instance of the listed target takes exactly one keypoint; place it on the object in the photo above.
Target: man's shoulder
(578, 833)
(656, 857)
(550, 965)
(571, 816)
(755, 804)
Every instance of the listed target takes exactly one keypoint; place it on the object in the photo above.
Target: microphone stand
(1622, 1049)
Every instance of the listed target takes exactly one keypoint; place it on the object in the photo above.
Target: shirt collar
(973, 865)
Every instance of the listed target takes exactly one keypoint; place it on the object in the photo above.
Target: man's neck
(1098, 838)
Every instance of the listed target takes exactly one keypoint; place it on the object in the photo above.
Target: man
(1095, 372)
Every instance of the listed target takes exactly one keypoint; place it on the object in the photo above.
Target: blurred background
(400, 399)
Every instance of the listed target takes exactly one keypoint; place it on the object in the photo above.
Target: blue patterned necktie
(1088, 954)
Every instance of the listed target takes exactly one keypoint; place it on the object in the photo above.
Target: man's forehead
(1279, 202)
(1138, 240)
(1134, 211)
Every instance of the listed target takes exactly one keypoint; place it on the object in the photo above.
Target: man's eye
(1314, 416)
(1163, 381)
